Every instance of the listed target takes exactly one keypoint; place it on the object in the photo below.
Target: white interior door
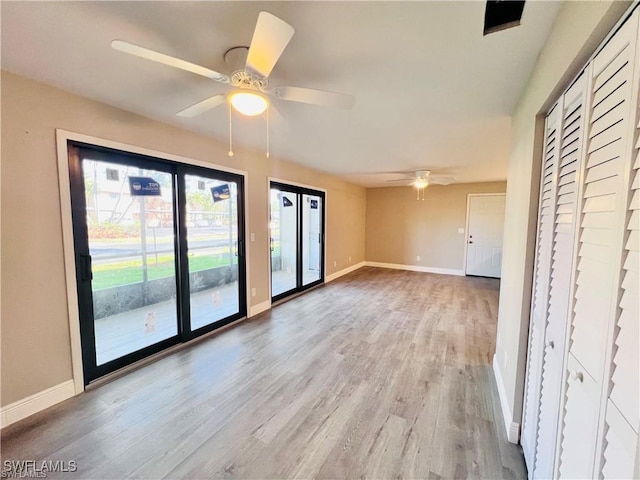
(485, 224)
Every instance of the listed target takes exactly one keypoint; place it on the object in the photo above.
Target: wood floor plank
(379, 374)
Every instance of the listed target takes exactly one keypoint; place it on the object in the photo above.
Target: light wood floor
(380, 374)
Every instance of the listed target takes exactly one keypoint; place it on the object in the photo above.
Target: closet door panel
(623, 405)
(560, 283)
(541, 286)
(602, 190)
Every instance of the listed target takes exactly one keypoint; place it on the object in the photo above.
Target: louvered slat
(606, 186)
(598, 236)
(604, 170)
(602, 155)
(569, 157)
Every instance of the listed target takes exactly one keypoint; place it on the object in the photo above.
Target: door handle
(577, 376)
(470, 241)
(271, 244)
(86, 272)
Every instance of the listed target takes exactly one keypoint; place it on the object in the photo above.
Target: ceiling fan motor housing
(246, 79)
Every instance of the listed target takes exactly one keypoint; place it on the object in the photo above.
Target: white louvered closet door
(622, 404)
(602, 213)
(541, 286)
(572, 127)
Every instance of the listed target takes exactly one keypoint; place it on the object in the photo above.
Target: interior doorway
(296, 221)
(485, 230)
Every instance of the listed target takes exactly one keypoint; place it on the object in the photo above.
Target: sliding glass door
(131, 262)
(312, 235)
(213, 247)
(297, 239)
(284, 242)
(159, 254)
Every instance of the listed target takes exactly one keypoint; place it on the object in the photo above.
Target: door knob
(550, 344)
(470, 241)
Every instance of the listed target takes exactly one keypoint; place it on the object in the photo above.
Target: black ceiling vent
(502, 14)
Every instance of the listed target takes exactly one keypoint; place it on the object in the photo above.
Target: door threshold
(296, 295)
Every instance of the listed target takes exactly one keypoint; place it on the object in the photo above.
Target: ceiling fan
(251, 88)
(421, 179)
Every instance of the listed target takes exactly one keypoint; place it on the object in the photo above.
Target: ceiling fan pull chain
(230, 131)
(267, 131)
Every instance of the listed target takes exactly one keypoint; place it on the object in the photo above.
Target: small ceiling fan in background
(251, 88)
(421, 179)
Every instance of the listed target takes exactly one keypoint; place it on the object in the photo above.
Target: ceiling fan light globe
(420, 184)
(248, 102)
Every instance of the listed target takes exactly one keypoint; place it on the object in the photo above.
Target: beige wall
(35, 331)
(399, 227)
(578, 30)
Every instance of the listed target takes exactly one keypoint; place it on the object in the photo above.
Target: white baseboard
(36, 403)
(259, 308)
(417, 268)
(338, 274)
(513, 433)
(512, 428)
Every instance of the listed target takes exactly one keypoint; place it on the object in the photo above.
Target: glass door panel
(284, 241)
(312, 209)
(212, 243)
(130, 220)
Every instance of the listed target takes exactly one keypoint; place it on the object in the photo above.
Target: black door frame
(78, 151)
(299, 191)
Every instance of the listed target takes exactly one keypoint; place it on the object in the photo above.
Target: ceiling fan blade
(405, 181)
(270, 38)
(203, 106)
(399, 183)
(441, 180)
(315, 97)
(158, 57)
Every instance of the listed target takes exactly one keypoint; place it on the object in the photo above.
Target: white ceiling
(431, 91)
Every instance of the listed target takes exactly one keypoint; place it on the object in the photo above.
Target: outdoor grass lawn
(124, 272)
